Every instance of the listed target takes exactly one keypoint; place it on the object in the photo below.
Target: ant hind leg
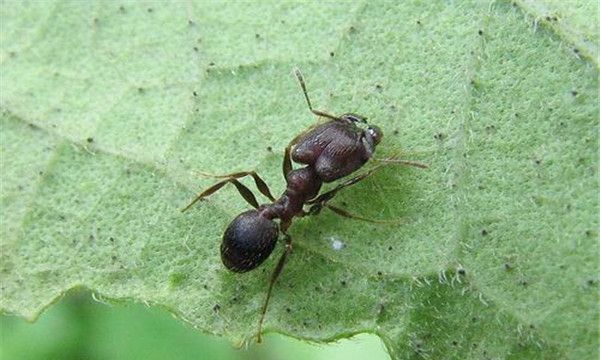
(260, 183)
(243, 190)
(274, 276)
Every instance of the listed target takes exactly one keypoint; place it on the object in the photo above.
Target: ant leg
(392, 160)
(287, 155)
(287, 160)
(303, 86)
(323, 198)
(260, 183)
(243, 190)
(274, 276)
(316, 208)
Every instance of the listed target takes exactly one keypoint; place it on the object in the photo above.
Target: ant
(330, 151)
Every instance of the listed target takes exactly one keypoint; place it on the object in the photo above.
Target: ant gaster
(330, 151)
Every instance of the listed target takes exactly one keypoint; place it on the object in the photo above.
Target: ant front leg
(274, 276)
(287, 160)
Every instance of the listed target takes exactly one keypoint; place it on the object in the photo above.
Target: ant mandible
(330, 151)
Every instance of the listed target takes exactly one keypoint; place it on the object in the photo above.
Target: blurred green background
(80, 328)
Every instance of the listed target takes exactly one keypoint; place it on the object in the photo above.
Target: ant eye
(374, 132)
(354, 118)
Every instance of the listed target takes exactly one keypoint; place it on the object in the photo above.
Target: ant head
(248, 241)
(354, 118)
(373, 133)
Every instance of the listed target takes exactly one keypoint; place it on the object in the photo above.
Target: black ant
(330, 151)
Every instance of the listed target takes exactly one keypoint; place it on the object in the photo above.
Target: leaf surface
(109, 110)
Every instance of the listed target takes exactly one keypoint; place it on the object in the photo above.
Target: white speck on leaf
(337, 244)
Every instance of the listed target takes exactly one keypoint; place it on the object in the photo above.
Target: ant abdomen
(248, 241)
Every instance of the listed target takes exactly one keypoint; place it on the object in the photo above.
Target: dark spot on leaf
(90, 140)
(390, 248)
(269, 149)
(574, 92)
(191, 22)
(352, 30)
(576, 51)
(474, 319)
(343, 282)
(523, 283)
(113, 258)
(211, 64)
(591, 282)
(288, 310)
(395, 132)
(195, 48)
(454, 342)
(484, 232)
(257, 36)
(507, 266)
(216, 308)
(122, 8)
(140, 90)
(332, 54)
(462, 272)
(195, 93)
(150, 10)
(379, 273)
(379, 88)
(480, 32)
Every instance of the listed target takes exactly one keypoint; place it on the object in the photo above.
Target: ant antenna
(303, 86)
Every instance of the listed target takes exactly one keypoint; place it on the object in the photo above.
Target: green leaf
(110, 109)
